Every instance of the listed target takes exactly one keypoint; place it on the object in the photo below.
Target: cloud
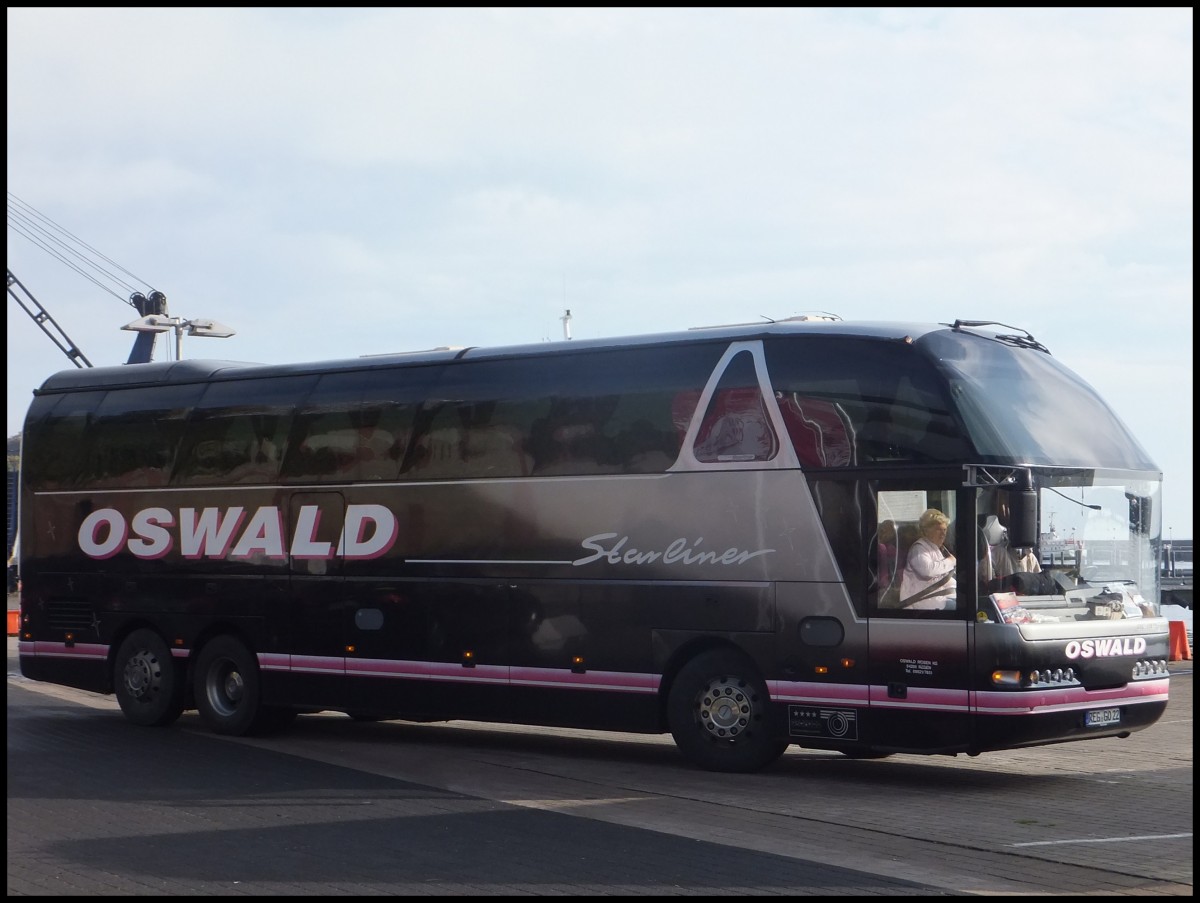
(334, 182)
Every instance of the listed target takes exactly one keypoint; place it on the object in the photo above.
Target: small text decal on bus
(367, 532)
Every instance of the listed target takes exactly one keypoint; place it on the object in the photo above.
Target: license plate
(1101, 717)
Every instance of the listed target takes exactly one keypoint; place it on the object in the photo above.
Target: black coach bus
(705, 533)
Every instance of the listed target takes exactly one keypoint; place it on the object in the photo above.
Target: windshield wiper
(1021, 341)
(1076, 501)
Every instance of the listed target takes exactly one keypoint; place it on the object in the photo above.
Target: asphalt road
(97, 806)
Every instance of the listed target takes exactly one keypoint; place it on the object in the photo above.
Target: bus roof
(197, 370)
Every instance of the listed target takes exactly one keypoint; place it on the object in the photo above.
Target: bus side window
(436, 451)
(380, 449)
(683, 409)
(640, 448)
(490, 447)
(237, 432)
(251, 454)
(821, 432)
(384, 419)
(323, 446)
(572, 437)
(57, 426)
(840, 503)
(571, 446)
(903, 536)
(495, 451)
(134, 442)
(736, 428)
(892, 403)
(213, 449)
(126, 453)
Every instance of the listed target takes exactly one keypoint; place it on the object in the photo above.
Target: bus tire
(228, 690)
(148, 685)
(717, 711)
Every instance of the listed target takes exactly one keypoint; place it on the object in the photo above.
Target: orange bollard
(1181, 649)
(14, 622)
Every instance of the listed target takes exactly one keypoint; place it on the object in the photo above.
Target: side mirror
(1022, 517)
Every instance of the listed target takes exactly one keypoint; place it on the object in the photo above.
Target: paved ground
(99, 807)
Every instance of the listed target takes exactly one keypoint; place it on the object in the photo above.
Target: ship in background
(1177, 573)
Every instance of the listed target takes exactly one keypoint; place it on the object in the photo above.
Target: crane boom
(42, 317)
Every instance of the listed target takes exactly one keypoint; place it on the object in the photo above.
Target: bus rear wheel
(718, 714)
(228, 691)
(147, 684)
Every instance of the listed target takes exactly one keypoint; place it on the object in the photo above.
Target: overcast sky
(333, 183)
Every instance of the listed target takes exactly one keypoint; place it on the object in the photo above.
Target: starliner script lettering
(679, 551)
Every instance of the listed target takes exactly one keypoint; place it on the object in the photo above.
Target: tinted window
(1024, 406)
(736, 426)
(358, 425)
(853, 401)
(621, 411)
(53, 447)
(596, 412)
(238, 433)
(134, 436)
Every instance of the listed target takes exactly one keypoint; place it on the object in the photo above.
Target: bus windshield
(1096, 557)
(1028, 408)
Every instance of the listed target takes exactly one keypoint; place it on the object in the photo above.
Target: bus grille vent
(69, 614)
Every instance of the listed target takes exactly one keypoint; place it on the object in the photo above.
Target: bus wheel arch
(718, 712)
(148, 683)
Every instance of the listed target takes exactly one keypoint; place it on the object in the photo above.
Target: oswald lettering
(367, 532)
(1107, 647)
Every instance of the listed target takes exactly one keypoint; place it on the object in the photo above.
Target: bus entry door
(919, 682)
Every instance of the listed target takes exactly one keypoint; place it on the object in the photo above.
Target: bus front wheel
(718, 714)
(147, 684)
(228, 691)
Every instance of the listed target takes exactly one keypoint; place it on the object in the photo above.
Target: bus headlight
(1043, 676)
(1150, 668)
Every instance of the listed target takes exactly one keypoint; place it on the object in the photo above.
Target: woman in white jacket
(928, 581)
